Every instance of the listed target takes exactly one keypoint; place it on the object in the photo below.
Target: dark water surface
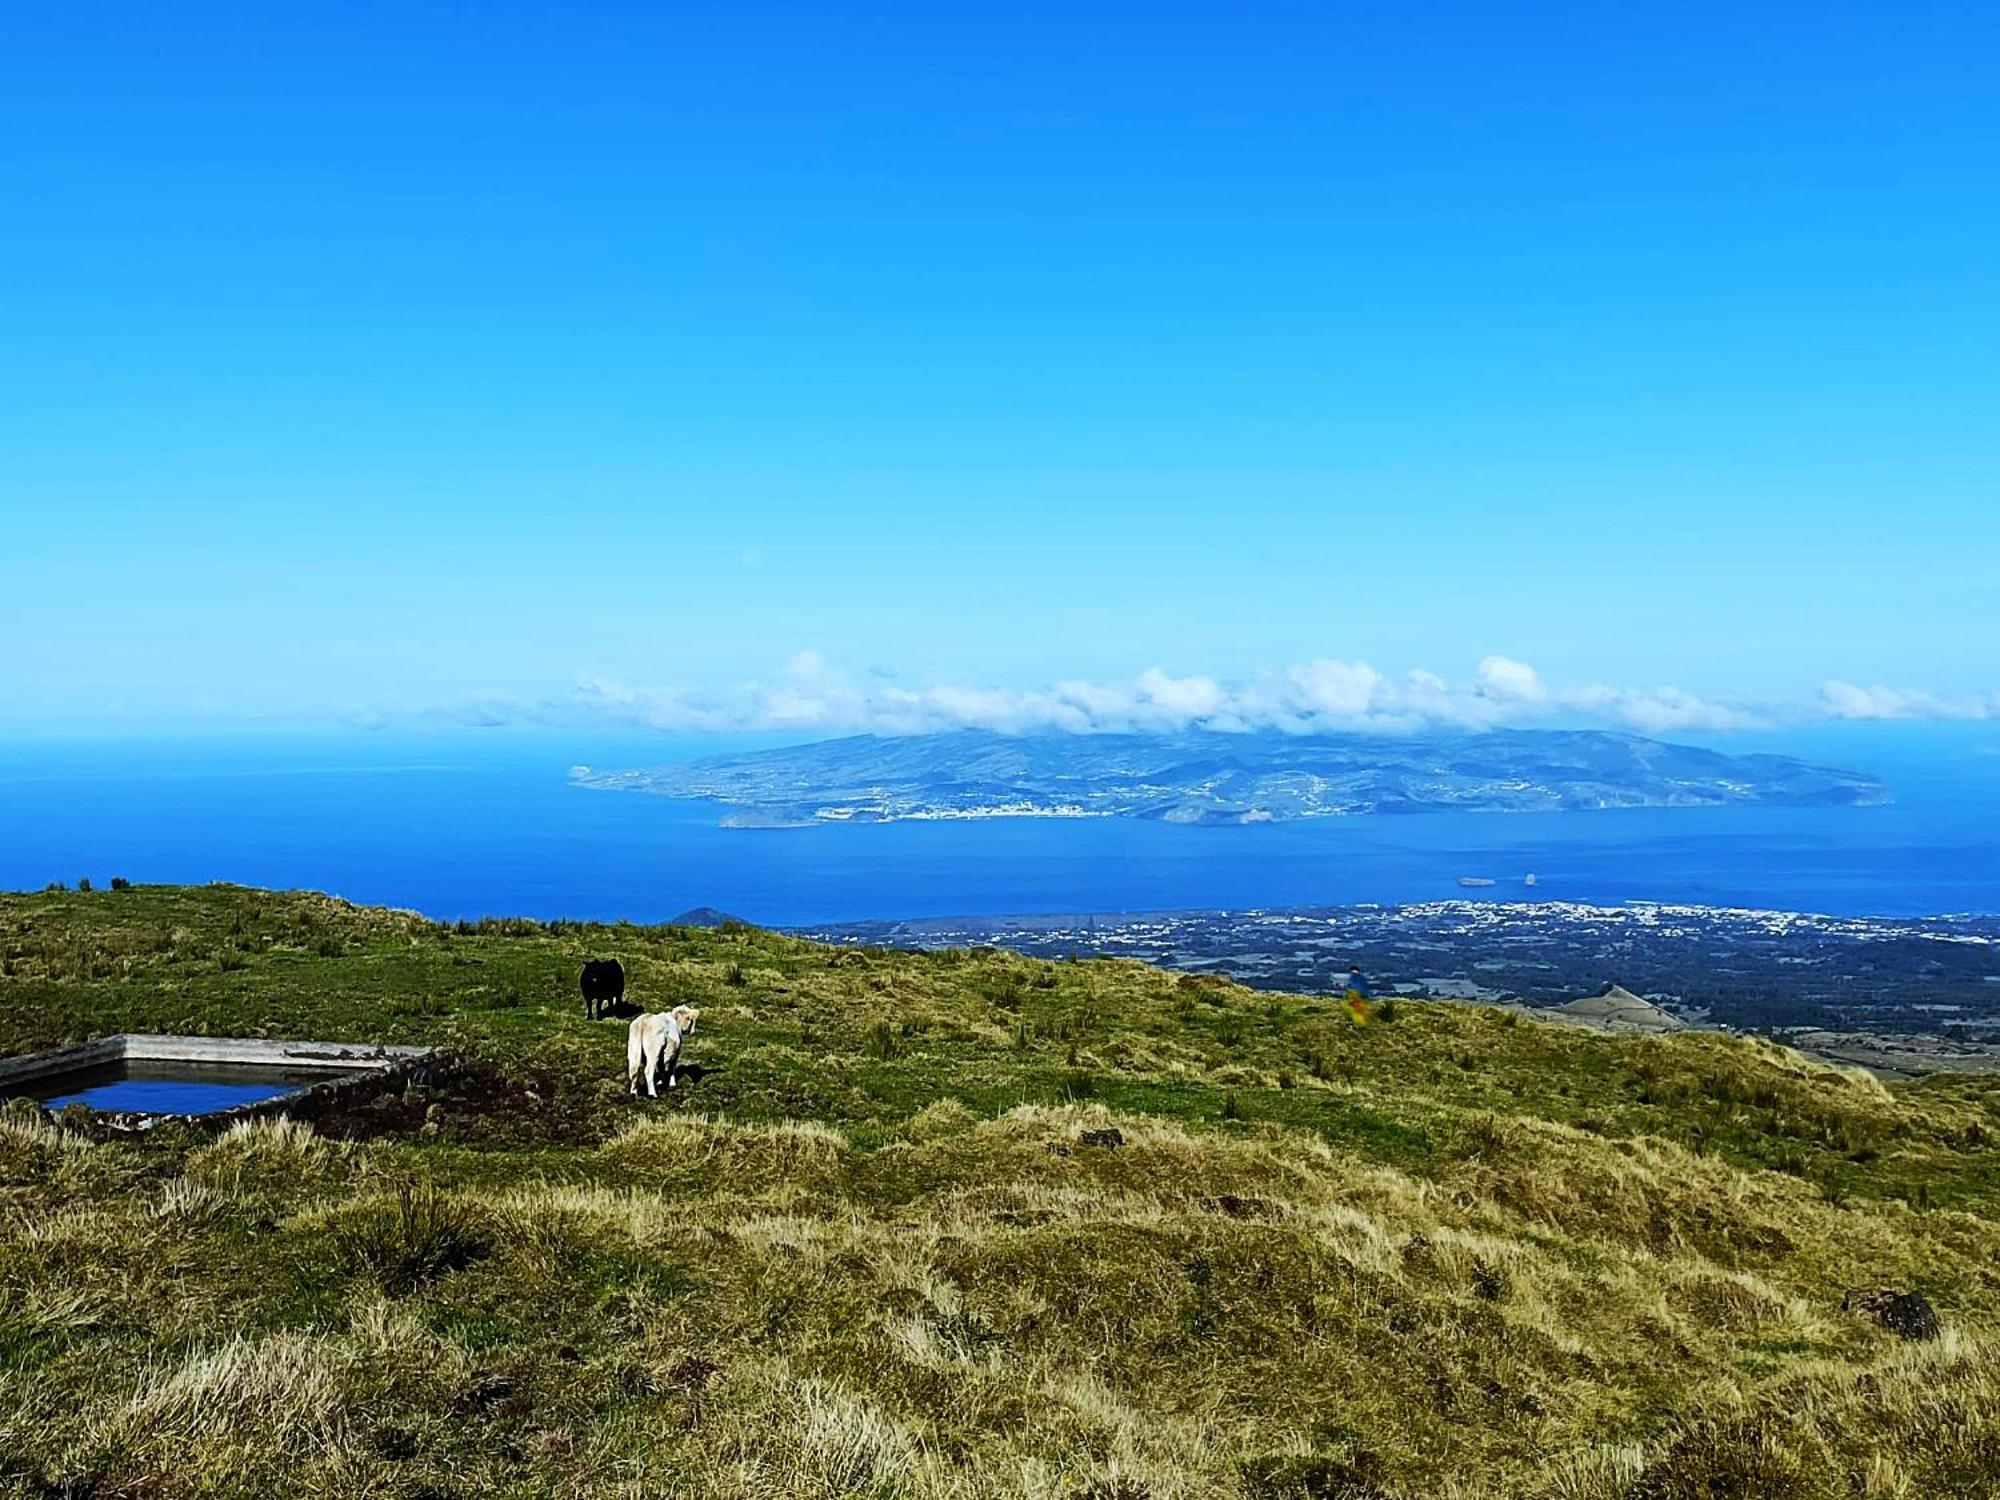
(461, 824)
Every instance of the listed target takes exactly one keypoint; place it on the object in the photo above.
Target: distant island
(1210, 777)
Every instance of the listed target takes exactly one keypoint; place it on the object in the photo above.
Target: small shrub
(882, 1043)
(419, 1237)
(1285, 1477)
(84, 885)
(735, 978)
(77, 1117)
(1713, 1458)
(1115, 1486)
(1329, 1066)
(1231, 1110)
(1483, 1138)
(1077, 1083)
(120, 883)
(330, 947)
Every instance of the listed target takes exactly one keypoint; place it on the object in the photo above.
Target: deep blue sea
(463, 823)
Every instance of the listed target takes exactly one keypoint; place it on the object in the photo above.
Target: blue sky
(383, 360)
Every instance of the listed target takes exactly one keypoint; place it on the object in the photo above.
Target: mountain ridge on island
(1217, 777)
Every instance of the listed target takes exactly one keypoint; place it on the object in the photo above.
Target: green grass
(867, 1253)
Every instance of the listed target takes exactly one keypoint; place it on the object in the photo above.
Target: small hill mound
(708, 917)
(1616, 1008)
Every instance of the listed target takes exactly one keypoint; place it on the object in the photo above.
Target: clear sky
(377, 359)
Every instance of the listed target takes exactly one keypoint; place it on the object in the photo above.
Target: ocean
(466, 823)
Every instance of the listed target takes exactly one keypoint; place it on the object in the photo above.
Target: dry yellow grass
(1450, 1257)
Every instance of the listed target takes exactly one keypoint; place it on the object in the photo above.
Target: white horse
(652, 1040)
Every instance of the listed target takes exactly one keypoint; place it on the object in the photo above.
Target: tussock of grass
(280, 1159)
(946, 1117)
(41, 1160)
(691, 1151)
(280, 1393)
(412, 1237)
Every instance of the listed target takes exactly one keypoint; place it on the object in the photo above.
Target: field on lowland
(868, 1252)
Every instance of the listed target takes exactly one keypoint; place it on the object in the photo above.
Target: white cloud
(1339, 688)
(1326, 694)
(1179, 699)
(1315, 696)
(1660, 710)
(1846, 700)
(1510, 681)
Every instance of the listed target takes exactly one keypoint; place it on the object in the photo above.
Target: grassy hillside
(869, 1252)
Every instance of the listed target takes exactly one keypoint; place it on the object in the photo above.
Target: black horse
(603, 986)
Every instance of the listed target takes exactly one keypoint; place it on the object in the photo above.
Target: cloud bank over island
(1846, 700)
(1323, 695)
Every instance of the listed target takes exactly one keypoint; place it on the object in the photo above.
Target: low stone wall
(19, 1070)
(229, 1049)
